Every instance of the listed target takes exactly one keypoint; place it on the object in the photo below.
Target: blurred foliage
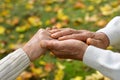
(20, 19)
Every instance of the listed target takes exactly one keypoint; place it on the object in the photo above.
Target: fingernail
(88, 41)
(53, 35)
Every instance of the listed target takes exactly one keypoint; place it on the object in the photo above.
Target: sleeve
(13, 64)
(112, 30)
(107, 62)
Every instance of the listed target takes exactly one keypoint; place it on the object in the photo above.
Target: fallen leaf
(92, 18)
(36, 71)
(61, 15)
(2, 30)
(91, 8)
(48, 8)
(79, 5)
(58, 25)
(59, 74)
(48, 67)
(78, 78)
(15, 21)
(35, 21)
(101, 23)
(106, 9)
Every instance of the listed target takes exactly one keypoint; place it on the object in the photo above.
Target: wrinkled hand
(33, 48)
(91, 38)
(67, 49)
(99, 40)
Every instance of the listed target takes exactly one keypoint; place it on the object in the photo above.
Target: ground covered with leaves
(20, 19)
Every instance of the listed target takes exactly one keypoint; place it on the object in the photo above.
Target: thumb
(91, 41)
(49, 44)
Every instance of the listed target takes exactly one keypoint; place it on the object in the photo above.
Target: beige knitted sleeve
(13, 64)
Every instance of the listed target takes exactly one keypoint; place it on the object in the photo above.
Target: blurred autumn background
(20, 19)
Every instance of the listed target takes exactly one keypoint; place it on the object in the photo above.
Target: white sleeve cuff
(13, 64)
(107, 62)
(91, 56)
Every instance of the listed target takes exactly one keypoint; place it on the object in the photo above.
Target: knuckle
(68, 29)
(42, 31)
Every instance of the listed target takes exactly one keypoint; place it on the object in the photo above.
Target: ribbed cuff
(13, 64)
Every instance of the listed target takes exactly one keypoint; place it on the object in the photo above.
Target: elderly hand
(67, 49)
(33, 48)
(91, 38)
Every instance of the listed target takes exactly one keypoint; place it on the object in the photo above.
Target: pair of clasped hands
(64, 43)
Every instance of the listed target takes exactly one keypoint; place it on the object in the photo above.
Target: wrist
(84, 50)
(27, 51)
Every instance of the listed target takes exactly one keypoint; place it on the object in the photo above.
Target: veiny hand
(99, 40)
(91, 38)
(33, 48)
(67, 49)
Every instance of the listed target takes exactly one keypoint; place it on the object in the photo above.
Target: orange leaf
(79, 5)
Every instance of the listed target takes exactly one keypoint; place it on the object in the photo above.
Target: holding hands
(97, 39)
(64, 43)
(67, 49)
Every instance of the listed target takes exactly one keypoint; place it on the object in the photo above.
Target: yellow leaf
(30, 4)
(42, 62)
(12, 46)
(92, 18)
(22, 28)
(47, 22)
(115, 4)
(78, 21)
(60, 66)
(5, 12)
(78, 78)
(61, 15)
(21, 36)
(35, 70)
(91, 8)
(26, 75)
(8, 1)
(19, 78)
(59, 75)
(101, 23)
(95, 76)
(105, 78)
(2, 30)
(109, 47)
(96, 1)
(58, 25)
(48, 8)
(49, 1)
(35, 21)
(106, 10)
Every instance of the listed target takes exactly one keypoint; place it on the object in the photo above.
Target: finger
(91, 41)
(81, 37)
(62, 33)
(50, 44)
(48, 28)
(54, 30)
